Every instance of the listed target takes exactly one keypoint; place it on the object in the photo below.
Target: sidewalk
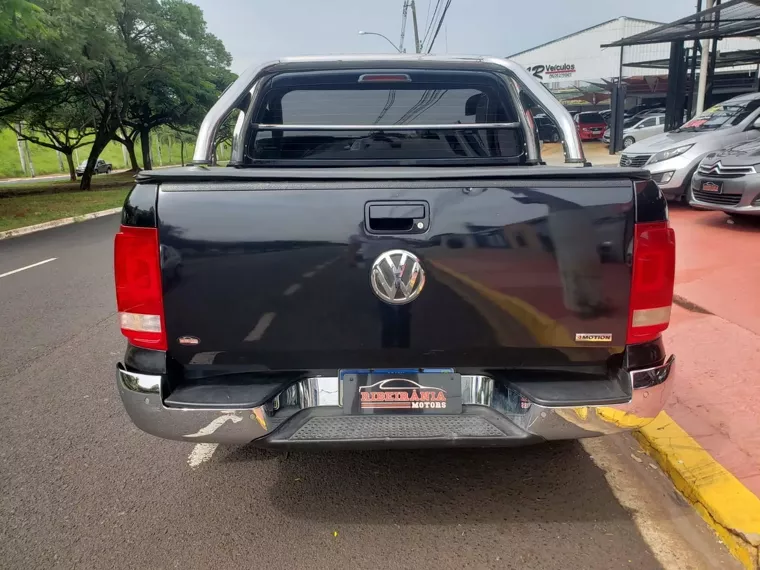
(716, 462)
(718, 400)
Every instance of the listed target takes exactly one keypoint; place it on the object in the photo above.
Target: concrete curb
(721, 500)
(56, 223)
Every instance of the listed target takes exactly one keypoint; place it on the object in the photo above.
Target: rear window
(589, 118)
(421, 102)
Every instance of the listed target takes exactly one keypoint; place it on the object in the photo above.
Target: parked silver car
(639, 130)
(673, 157)
(729, 180)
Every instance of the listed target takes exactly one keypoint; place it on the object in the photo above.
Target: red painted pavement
(717, 396)
(718, 264)
(716, 399)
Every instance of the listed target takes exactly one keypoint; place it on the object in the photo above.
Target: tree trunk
(182, 151)
(102, 138)
(72, 166)
(129, 144)
(145, 143)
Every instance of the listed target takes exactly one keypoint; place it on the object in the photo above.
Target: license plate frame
(401, 392)
(711, 187)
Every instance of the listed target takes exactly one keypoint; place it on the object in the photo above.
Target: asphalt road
(80, 487)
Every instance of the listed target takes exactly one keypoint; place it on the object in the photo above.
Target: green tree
(63, 127)
(127, 138)
(189, 80)
(27, 74)
(141, 63)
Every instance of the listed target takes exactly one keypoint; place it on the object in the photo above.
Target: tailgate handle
(396, 217)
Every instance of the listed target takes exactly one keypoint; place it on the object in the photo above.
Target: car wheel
(555, 137)
(108, 170)
(628, 141)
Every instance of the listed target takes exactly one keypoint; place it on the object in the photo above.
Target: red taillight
(654, 273)
(139, 299)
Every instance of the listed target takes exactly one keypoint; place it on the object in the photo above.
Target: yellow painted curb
(719, 497)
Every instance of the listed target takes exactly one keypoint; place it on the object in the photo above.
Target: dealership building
(579, 71)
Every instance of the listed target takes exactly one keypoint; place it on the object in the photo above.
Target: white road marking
(201, 453)
(292, 289)
(27, 267)
(261, 327)
(309, 274)
(216, 424)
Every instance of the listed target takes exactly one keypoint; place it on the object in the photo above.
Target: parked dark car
(101, 167)
(547, 130)
(417, 279)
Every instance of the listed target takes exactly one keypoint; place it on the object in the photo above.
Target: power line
(431, 23)
(440, 23)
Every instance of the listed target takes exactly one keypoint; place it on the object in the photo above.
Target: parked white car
(640, 130)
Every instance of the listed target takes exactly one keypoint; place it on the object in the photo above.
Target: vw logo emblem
(397, 277)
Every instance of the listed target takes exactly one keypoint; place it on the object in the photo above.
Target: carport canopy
(724, 59)
(735, 18)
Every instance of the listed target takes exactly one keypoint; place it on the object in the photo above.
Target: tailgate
(269, 276)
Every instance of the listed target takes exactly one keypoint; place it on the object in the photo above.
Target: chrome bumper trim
(141, 394)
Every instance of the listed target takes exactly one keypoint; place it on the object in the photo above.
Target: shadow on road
(546, 483)
(747, 224)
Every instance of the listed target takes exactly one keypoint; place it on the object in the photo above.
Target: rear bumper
(309, 414)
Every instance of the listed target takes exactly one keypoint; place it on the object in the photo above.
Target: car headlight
(670, 153)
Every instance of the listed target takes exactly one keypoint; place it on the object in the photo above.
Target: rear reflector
(654, 270)
(139, 297)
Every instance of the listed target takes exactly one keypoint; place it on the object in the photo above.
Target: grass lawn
(29, 204)
(45, 160)
(47, 186)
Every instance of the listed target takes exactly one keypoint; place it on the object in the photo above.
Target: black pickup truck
(386, 261)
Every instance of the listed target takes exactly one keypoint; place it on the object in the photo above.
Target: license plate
(401, 392)
(709, 186)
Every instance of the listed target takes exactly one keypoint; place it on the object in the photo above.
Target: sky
(256, 31)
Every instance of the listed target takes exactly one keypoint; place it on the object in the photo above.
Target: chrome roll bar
(248, 81)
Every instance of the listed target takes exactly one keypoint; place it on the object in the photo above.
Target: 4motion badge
(591, 337)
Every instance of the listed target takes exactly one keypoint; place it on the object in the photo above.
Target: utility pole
(20, 143)
(703, 66)
(417, 46)
(29, 159)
